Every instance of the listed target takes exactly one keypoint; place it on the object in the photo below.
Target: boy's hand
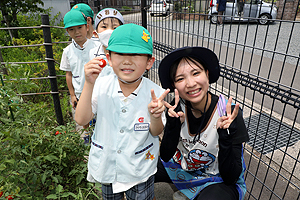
(74, 101)
(171, 109)
(93, 68)
(225, 121)
(156, 106)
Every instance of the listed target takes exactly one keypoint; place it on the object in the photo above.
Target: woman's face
(191, 81)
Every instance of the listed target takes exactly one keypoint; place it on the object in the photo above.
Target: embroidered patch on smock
(149, 156)
(144, 149)
(97, 145)
(141, 127)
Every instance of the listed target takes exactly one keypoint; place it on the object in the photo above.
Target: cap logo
(115, 12)
(99, 16)
(107, 12)
(145, 36)
(76, 6)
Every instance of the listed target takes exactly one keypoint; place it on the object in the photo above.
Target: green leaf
(2, 167)
(52, 196)
(73, 171)
(66, 194)
(44, 176)
(59, 188)
(34, 178)
(55, 179)
(51, 157)
(79, 178)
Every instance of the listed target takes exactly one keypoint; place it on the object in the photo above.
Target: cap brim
(206, 56)
(119, 48)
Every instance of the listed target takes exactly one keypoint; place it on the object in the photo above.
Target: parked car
(161, 7)
(254, 10)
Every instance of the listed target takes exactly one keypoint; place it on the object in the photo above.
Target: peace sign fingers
(156, 106)
(171, 108)
(232, 115)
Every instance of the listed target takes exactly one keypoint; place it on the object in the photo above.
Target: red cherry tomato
(1, 193)
(102, 63)
(9, 197)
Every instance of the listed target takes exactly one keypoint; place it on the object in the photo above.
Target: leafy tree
(10, 9)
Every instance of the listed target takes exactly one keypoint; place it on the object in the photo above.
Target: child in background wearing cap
(125, 144)
(201, 150)
(107, 20)
(89, 13)
(76, 55)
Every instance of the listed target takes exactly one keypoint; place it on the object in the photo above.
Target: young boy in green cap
(125, 144)
(76, 55)
(89, 13)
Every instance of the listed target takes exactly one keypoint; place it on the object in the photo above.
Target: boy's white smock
(73, 59)
(122, 147)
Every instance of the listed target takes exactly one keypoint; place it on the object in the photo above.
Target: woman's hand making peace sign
(171, 111)
(225, 121)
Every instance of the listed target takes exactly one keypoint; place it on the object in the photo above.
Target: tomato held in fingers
(102, 63)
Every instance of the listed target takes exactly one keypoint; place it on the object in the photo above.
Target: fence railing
(260, 69)
(52, 77)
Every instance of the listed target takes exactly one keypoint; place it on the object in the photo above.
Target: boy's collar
(123, 81)
(78, 46)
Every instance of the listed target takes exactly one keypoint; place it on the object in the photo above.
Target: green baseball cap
(86, 9)
(130, 38)
(74, 18)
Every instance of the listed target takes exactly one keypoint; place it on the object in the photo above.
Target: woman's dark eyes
(179, 79)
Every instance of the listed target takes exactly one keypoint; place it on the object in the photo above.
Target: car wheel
(214, 18)
(263, 19)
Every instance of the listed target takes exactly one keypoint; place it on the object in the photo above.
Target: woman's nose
(190, 82)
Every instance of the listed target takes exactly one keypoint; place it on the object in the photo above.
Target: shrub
(39, 159)
(126, 8)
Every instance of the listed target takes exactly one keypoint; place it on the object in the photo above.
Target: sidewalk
(164, 191)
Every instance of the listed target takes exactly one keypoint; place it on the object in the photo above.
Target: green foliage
(33, 54)
(38, 159)
(126, 8)
(177, 6)
(10, 10)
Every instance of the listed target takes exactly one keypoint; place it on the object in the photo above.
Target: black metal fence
(259, 69)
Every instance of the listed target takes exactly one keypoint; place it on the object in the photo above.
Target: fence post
(144, 21)
(144, 13)
(51, 67)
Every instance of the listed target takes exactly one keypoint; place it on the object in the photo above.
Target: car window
(158, 1)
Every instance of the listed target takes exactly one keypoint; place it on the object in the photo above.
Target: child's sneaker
(179, 196)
